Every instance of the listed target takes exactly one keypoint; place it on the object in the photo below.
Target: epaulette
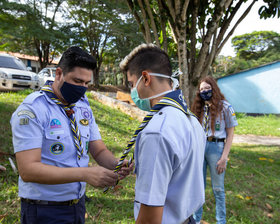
(32, 97)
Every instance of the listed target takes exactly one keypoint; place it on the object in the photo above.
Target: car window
(10, 62)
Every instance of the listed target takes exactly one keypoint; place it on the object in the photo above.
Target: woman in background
(218, 119)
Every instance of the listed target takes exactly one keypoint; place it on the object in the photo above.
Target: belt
(42, 202)
(212, 139)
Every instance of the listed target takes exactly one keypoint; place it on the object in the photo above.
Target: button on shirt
(40, 123)
(227, 120)
(169, 156)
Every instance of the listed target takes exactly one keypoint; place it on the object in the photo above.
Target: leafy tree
(199, 28)
(98, 26)
(256, 45)
(271, 9)
(31, 27)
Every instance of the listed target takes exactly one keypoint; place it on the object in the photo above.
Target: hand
(221, 165)
(125, 169)
(99, 176)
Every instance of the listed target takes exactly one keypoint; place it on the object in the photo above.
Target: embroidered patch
(24, 121)
(84, 122)
(55, 123)
(231, 110)
(57, 148)
(86, 113)
(27, 113)
(217, 127)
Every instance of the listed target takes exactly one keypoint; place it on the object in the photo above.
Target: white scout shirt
(169, 155)
(40, 123)
(227, 120)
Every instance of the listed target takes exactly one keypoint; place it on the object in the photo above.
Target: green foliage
(253, 50)
(271, 9)
(256, 45)
(31, 27)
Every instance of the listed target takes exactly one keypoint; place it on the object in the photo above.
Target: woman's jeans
(213, 153)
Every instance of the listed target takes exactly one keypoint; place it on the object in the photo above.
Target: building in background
(254, 91)
(29, 61)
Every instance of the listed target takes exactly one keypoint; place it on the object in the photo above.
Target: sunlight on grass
(267, 125)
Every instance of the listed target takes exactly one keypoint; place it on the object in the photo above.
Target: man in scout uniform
(53, 131)
(170, 142)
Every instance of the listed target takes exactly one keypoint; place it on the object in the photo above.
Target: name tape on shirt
(27, 113)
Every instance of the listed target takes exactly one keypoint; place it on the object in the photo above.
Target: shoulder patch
(27, 113)
(31, 97)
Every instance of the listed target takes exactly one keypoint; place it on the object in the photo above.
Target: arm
(149, 215)
(105, 158)
(102, 155)
(221, 164)
(31, 169)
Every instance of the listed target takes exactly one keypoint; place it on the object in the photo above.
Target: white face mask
(144, 104)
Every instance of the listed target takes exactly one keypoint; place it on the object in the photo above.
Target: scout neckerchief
(173, 99)
(205, 122)
(70, 113)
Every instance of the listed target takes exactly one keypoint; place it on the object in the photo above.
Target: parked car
(46, 74)
(14, 75)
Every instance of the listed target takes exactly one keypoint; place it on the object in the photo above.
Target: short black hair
(147, 57)
(76, 57)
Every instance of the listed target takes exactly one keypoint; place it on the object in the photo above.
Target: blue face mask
(206, 95)
(72, 93)
(144, 104)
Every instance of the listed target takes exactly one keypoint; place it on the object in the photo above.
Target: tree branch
(221, 45)
(153, 24)
(146, 23)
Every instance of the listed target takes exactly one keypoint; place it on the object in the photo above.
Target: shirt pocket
(57, 142)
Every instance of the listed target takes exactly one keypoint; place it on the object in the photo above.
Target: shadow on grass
(6, 110)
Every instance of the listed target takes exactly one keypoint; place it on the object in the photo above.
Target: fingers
(220, 169)
(101, 177)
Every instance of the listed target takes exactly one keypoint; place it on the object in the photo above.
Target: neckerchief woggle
(70, 113)
(173, 99)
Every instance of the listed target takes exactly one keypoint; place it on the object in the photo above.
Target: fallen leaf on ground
(269, 215)
(248, 198)
(239, 196)
(270, 196)
(268, 206)
(262, 158)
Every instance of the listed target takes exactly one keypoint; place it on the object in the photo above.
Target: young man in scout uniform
(170, 142)
(53, 131)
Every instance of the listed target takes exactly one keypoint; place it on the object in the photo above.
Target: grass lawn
(252, 179)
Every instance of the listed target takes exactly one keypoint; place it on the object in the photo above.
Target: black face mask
(206, 95)
(72, 93)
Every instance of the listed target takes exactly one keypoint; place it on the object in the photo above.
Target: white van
(46, 74)
(14, 75)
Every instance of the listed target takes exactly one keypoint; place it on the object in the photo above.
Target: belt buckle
(74, 201)
(210, 139)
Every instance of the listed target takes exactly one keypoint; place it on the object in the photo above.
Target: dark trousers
(53, 214)
(190, 220)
